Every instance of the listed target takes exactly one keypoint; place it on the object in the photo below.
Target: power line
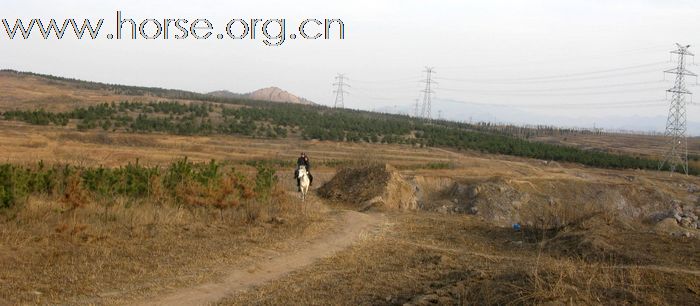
(568, 75)
(621, 104)
(676, 124)
(549, 60)
(541, 79)
(582, 87)
(411, 79)
(518, 91)
(506, 93)
(632, 67)
(514, 91)
(370, 87)
(373, 95)
(525, 81)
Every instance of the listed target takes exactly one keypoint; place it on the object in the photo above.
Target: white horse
(304, 182)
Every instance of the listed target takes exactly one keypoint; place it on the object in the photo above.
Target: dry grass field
(626, 143)
(32, 92)
(114, 253)
(639, 145)
(434, 259)
(23, 143)
(589, 235)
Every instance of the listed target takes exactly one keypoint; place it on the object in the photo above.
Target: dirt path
(350, 228)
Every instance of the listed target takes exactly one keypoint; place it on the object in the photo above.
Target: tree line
(273, 120)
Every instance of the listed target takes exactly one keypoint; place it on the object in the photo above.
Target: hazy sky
(528, 59)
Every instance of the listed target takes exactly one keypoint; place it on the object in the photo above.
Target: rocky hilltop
(276, 94)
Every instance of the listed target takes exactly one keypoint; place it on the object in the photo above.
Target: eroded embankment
(532, 201)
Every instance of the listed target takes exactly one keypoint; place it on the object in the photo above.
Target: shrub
(265, 180)
(183, 182)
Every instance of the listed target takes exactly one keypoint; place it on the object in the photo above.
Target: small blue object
(516, 227)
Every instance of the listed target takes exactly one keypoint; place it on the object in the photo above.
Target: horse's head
(302, 171)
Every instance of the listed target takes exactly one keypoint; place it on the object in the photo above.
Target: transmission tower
(427, 93)
(677, 154)
(340, 90)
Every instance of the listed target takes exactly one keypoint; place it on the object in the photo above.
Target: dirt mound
(370, 186)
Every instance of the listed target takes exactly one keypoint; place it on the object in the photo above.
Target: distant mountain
(273, 94)
(276, 94)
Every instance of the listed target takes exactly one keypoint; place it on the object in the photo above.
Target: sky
(569, 63)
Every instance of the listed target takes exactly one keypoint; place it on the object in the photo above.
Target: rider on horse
(303, 160)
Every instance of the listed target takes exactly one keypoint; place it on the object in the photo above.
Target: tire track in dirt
(351, 227)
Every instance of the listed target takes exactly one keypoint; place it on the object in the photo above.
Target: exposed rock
(685, 234)
(278, 220)
(677, 216)
(275, 94)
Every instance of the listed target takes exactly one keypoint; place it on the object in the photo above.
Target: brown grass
(75, 250)
(416, 262)
(115, 251)
(24, 143)
(110, 251)
(646, 145)
(32, 92)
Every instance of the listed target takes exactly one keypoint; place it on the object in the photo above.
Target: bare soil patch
(348, 228)
(416, 263)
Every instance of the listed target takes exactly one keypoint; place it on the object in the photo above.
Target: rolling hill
(96, 175)
(48, 100)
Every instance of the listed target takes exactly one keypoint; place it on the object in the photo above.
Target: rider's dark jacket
(304, 161)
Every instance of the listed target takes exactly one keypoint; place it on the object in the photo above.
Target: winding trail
(351, 227)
